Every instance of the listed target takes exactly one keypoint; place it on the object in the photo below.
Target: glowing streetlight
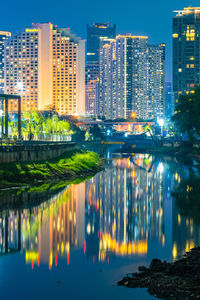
(161, 122)
(20, 86)
(133, 115)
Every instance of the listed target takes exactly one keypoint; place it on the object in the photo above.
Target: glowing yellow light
(174, 251)
(31, 256)
(133, 115)
(179, 219)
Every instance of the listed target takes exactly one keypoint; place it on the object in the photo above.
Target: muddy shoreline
(164, 280)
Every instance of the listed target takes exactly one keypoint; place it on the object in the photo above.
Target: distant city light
(133, 115)
(160, 122)
(160, 168)
(20, 86)
(108, 132)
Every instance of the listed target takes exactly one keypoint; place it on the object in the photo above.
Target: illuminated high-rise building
(92, 88)
(140, 76)
(186, 50)
(132, 78)
(4, 35)
(156, 81)
(45, 65)
(94, 35)
(169, 103)
(124, 75)
(107, 84)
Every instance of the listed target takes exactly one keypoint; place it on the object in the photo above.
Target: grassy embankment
(74, 165)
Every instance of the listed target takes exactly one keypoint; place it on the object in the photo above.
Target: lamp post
(134, 115)
(161, 124)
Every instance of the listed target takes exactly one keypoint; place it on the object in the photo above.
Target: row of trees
(37, 124)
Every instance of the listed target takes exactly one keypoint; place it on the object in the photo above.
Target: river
(78, 241)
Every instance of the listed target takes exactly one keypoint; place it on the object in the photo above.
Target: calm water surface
(78, 241)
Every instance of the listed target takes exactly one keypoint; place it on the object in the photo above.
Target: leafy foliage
(187, 112)
(60, 168)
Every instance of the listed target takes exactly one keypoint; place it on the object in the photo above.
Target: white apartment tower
(156, 81)
(46, 66)
(132, 78)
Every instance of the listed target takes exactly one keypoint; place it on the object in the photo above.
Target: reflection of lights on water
(108, 132)
(174, 250)
(108, 155)
(88, 228)
(161, 167)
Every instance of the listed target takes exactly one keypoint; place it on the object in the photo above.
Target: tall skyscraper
(124, 75)
(169, 103)
(94, 35)
(186, 50)
(156, 81)
(46, 66)
(107, 83)
(132, 78)
(140, 76)
(93, 39)
(4, 35)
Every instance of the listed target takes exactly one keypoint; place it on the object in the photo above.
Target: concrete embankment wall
(34, 152)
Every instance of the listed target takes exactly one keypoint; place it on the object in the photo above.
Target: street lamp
(161, 122)
(20, 86)
(133, 115)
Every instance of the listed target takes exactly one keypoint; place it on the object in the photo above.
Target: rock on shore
(176, 280)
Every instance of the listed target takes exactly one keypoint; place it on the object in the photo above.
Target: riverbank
(177, 280)
(184, 154)
(73, 165)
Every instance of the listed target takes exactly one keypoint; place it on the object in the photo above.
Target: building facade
(132, 78)
(186, 50)
(45, 65)
(140, 76)
(4, 35)
(169, 103)
(107, 83)
(156, 81)
(94, 42)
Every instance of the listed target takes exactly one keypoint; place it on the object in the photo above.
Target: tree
(187, 112)
(96, 133)
(146, 127)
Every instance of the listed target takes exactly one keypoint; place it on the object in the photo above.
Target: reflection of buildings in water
(129, 208)
(48, 231)
(185, 234)
(115, 213)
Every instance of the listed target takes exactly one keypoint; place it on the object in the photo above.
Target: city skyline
(127, 21)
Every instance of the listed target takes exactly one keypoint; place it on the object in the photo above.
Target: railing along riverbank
(34, 151)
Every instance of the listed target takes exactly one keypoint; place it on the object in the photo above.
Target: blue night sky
(152, 18)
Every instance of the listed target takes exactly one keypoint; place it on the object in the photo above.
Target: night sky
(147, 17)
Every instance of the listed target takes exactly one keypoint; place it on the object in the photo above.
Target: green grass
(71, 166)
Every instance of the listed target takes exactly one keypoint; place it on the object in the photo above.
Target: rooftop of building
(129, 35)
(187, 11)
(102, 25)
(6, 33)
